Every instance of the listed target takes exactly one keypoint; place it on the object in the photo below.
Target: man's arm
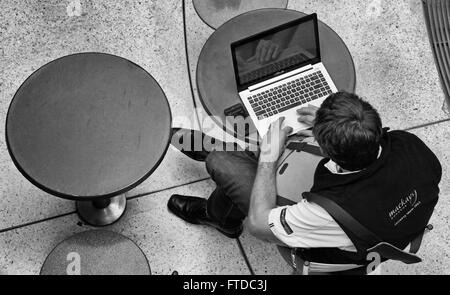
(264, 192)
(263, 199)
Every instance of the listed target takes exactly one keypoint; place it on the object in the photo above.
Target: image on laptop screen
(275, 52)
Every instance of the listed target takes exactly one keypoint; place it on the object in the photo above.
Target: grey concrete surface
(395, 72)
(32, 33)
(168, 243)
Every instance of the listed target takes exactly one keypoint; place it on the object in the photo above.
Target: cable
(426, 124)
(247, 262)
(188, 64)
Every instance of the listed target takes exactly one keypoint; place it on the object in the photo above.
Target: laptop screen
(276, 51)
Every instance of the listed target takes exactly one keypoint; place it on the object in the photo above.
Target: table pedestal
(103, 211)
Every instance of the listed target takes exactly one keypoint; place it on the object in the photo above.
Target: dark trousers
(234, 174)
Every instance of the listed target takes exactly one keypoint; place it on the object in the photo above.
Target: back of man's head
(348, 129)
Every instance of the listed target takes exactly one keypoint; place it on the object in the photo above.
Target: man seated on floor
(388, 181)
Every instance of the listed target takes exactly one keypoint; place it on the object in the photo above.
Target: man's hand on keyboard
(307, 115)
(273, 143)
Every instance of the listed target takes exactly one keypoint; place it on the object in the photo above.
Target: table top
(96, 252)
(215, 76)
(88, 125)
(216, 12)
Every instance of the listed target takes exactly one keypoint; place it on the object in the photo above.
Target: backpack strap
(300, 146)
(415, 244)
(343, 217)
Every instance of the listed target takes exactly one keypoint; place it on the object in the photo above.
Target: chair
(385, 250)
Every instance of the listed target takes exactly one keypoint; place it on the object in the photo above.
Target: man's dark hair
(348, 129)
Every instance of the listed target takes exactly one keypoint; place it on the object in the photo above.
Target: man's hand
(307, 115)
(266, 51)
(273, 143)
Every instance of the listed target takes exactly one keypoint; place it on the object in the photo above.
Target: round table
(96, 252)
(214, 13)
(89, 127)
(215, 76)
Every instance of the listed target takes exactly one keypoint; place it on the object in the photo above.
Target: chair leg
(305, 270)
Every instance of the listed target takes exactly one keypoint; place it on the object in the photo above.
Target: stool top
(88, 125)
(216, 12)
(215, 76)
(96, 252)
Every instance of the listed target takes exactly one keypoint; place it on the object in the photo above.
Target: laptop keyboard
(273, 68)
(294, 93)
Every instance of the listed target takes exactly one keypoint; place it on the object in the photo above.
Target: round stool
(214, 13)
(96, 252)
(89, 127)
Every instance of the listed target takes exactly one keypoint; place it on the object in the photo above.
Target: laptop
(280, 70)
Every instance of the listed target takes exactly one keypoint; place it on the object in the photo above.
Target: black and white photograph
(225, 143)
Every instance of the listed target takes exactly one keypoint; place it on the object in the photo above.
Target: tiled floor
(395, 71)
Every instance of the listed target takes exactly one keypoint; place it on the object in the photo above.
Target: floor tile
(22, 202)
(264, 257)
(168, 242)
(175, 169)
(149, 33)
(197, 33)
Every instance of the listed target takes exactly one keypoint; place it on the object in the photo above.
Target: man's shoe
(193, 210)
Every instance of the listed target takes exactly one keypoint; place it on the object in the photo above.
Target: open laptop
(286, 74)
